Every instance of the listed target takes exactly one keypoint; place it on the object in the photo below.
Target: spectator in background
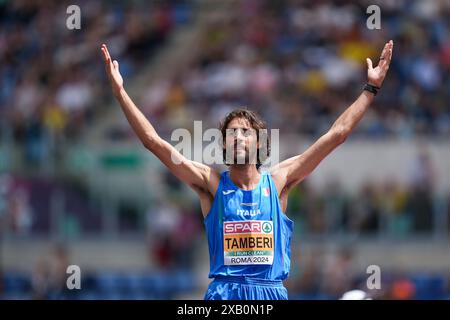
(305, 281)
(339, 274)
(20, 212)
(187, 233)
(369, 209)
(40, 281)
(163, 220)
(5, 185)
(402, 288)
(423, 180)
(58, 263)
(55, 120)
(49, 276)
(335, 206)
(394, 197)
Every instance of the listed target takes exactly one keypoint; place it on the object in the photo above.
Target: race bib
(248, 242)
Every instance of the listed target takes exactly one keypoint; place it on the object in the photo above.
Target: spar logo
(242, 227)
(248, 227)
(267, 227)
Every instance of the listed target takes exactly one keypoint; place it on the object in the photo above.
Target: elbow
(340, 134)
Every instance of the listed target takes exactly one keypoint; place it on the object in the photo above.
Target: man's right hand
(112, 69)
(202, 178)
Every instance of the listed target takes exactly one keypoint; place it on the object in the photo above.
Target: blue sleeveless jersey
(248, 234)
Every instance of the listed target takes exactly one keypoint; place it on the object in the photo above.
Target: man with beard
(248, 233)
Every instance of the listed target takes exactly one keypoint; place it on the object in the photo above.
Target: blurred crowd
(384, 208)
(330, 276)
(52, 79)
(300, 63)
(317, 275)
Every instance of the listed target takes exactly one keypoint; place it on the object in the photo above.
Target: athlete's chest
(247, 205)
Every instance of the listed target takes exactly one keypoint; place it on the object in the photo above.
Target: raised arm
(200, 177)
(292, 171)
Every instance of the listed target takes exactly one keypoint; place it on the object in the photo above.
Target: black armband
(371, 88)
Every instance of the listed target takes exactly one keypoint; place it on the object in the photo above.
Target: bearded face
(241, 142)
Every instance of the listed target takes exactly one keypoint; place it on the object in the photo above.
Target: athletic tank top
(248, 234)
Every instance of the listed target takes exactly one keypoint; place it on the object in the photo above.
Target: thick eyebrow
(234, 128)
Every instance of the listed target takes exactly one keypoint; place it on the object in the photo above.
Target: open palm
(112, 69)
(375, 76)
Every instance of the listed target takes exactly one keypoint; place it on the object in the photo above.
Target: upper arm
(198, 176)
(293, 170)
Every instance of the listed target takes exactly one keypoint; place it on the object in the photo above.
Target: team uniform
(249, 242)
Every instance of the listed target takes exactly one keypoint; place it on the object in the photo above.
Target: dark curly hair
(256, 123)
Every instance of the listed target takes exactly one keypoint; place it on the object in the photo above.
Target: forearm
(140, 124)
(345, 124)
(348, 120)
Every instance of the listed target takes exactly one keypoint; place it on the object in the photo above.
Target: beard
(240, 156)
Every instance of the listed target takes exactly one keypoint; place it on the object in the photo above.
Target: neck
(245, 176)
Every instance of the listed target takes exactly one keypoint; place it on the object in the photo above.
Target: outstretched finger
(388, 55)
(369, 64)
(383, 54)
(106, 53)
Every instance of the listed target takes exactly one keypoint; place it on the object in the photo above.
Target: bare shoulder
(207, 192)
(279, 177)
(282, 172)
(213, 180)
